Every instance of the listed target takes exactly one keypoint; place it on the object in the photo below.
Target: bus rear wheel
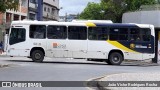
(115, 58)
(37, 56)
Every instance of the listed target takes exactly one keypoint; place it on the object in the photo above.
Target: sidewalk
(3, 54)
(118, 83)
(2, 64)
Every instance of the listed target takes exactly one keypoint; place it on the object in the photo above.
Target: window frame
(17, 41)
(45, 9)
(44, 37)
(140, 35)
(33, 1)
(107, 30)
(119, 33)
(85, 33)
(58, 26)
(48, 10)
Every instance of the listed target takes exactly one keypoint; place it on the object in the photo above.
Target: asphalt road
(23, 69)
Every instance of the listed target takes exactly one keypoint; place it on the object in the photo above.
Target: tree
(116, 8)
(133, 5)
(112, 9)
(8, 4)
(92, 11)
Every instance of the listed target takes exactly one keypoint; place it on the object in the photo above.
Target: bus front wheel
(115, 58)
(37, 56)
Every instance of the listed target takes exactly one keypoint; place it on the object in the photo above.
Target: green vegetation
(92, 11)
(112, 9)
(8, 4)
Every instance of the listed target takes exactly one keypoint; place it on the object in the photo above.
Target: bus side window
(98, 33)
(118, 34)
(56, 32)
(135, 38)
(135, 34)
(143, 34)
(77, 32)
(146, 34)
(38, 31)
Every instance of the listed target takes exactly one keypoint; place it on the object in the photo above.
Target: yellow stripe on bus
(119, 45)
(90, 24)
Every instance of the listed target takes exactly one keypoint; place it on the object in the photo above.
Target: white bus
(111, 42)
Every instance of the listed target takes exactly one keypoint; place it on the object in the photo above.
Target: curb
(3, 54)
(100, 85)
(8, 65)
(96, 79)
(89, 87)
(4, 65)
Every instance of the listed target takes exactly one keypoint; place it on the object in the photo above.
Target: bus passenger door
(97, 49)
(97, 45)
(77, 41)
(77, 48)
(17, 43)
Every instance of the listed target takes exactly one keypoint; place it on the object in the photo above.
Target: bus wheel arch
(115, 57)
(37, 54)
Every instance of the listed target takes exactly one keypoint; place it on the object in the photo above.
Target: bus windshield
(17, 35)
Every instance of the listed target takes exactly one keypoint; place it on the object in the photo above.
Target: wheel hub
(116, 59)
(37, 56)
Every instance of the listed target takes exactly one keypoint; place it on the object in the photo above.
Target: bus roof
(94, 21)
(89, 24)
(46, 23)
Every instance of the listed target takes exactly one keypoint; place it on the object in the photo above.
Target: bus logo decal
(55, 45)
(132, 46)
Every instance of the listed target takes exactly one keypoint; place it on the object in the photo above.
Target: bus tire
(37, 56)
(115, 58)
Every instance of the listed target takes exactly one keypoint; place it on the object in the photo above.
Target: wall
(143, 17)
(9, 15)
(52, 2)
